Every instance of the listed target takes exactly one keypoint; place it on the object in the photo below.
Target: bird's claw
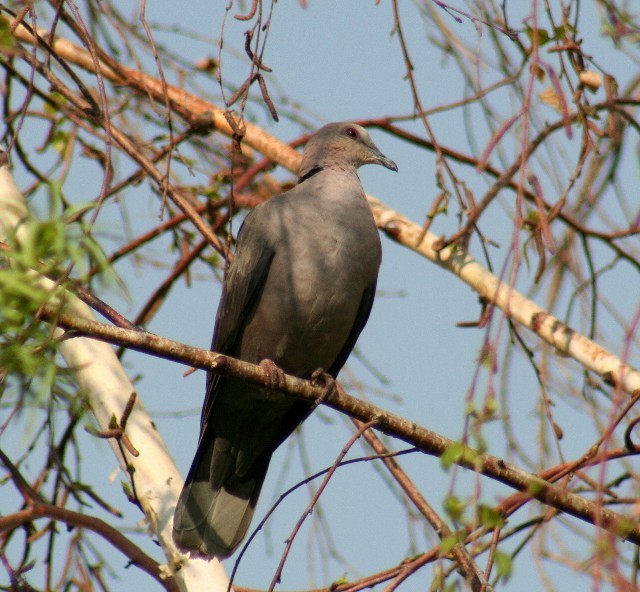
(320, 378)
(273, 373)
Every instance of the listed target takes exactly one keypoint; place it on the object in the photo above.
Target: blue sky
(340, 60)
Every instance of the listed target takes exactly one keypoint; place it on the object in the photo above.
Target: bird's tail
(217, 502)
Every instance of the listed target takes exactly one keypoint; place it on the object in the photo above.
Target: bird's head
(340, 144)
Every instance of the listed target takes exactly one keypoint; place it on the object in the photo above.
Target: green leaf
(490, 406)
(488, 516)
(7, 42)
(51, 109)
(60, 141)
(538, 35)
(452, 455)
(454, 507)
(438, 578)
(470, 408)
(448, 543)
(458, 453)
(504, 564)
(535, 487)
(560, 32)
(341, 580)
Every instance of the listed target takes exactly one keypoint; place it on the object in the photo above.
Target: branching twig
(428, 441)
(109, 533)
(361, 430)
(118, 432)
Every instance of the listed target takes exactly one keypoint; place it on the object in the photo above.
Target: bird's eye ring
(352, 132)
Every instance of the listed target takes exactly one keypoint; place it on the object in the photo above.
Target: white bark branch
(589, 354)
(98, 372)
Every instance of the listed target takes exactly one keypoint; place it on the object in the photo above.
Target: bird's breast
(310, 299)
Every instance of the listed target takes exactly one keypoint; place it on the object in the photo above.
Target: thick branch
(154, 476)
(588, 353)
(389, 423)
(455, 259)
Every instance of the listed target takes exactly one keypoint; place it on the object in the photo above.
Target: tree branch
(154, 476)
(429, 442)
(455, 259)
(136, 555)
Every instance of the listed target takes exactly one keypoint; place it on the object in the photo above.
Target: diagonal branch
(455, 259)
(472, 573)
(517, 307)
(429, 442)
(100, 376)
(111, 534)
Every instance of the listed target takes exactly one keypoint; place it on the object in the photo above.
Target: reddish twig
(472, 573)
(112, 535)
(118, 431)
(361, 430)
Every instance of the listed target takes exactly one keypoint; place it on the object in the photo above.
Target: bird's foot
(273, 373)
(323, 379)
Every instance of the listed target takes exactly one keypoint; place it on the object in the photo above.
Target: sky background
(337, 61)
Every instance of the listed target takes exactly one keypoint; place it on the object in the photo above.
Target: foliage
(139, 175)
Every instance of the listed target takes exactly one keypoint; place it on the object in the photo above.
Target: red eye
(352, 133)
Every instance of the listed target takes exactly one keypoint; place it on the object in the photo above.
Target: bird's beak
(388, 163)
(380, 158)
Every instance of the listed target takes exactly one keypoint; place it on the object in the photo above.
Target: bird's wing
(358, 324)
(299, 410)
(242, 287)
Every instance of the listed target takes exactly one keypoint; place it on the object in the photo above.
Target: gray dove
(297, 295)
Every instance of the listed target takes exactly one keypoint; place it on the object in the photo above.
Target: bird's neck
(309, 174)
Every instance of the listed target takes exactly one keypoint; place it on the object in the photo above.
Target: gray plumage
(299, 292)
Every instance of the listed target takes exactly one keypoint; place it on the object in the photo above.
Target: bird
(295, 298)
